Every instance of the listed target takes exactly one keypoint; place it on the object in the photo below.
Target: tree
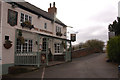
(115, 27)
(94, 44)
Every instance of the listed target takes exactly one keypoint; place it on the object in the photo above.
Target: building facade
(28, 35)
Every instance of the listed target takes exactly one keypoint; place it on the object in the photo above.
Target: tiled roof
(29, 7)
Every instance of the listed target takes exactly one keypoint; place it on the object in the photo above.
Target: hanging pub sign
(12, 17)
(73, 37)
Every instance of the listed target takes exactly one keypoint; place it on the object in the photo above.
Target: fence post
(70, 51)
(15, 56)
(47, 50)
(38, 53)
(66, 52)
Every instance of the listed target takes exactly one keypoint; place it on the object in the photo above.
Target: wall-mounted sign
(46, 31)
(73, 37)
(12, 17)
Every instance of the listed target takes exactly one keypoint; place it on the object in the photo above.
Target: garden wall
(82, 52)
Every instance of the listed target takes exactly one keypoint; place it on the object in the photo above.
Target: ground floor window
(26, 47)
(57, 48)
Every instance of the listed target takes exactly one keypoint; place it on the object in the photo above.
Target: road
(91, 66)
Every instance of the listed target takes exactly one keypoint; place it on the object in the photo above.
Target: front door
(44, 54)
(44, 45)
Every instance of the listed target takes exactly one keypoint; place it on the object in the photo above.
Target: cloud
(108, 14)
(89, 17)
(94, 32)
(97, 25)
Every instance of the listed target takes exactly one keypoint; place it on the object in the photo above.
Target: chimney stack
(52, 10)
(50, 5)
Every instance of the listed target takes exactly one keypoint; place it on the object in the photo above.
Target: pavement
(91, 66)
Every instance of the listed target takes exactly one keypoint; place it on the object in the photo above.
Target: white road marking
(43, 73)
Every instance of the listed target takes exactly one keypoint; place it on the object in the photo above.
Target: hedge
(113, 49)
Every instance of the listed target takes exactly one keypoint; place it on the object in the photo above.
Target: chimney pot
(53, 4)
(50, 5)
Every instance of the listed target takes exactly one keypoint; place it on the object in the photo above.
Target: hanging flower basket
(21, 39)
(8, 44)
(27, 24)
(59, 34)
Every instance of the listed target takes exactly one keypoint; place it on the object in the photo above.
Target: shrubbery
(113, 49)
(93, 44)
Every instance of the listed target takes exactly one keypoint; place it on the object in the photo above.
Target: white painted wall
(8, 54)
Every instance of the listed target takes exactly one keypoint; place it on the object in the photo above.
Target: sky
(90, 18)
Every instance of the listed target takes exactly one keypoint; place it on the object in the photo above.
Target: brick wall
(82, 52)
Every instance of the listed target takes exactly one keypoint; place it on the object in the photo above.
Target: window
(6, 37)
(44, 44)
(30, 19)
(65, 34)
(18, 46)
(58, 29)
(26, 47)
(25, 17)
(22, 17)
(30, 46)
(57, 48)
(45, 25)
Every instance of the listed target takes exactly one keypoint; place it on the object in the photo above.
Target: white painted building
(33, 32)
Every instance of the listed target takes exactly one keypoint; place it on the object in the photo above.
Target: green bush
(113, 49)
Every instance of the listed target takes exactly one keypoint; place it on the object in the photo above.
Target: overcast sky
(88, 17)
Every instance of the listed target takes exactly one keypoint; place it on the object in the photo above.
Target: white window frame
(44, 44)
(58, 29)
(57, 47)
(28, 19)
(20, 48)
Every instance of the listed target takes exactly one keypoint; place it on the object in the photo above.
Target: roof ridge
(38, 11)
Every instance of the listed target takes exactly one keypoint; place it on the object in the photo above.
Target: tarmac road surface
(91, 66)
